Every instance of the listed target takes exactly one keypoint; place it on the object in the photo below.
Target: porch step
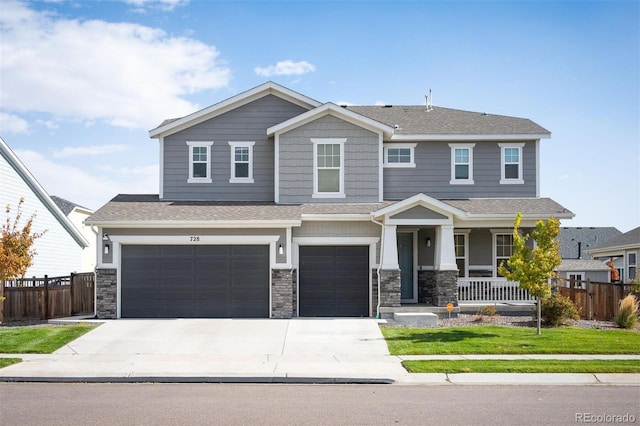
(416, 319)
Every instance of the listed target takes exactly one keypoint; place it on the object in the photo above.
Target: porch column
(446, 274)
(389, 281)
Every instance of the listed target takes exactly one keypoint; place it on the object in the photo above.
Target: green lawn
(43, 339)
(509, 340)
(523, 366)
(5, 362)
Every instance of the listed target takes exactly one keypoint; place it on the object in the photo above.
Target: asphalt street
(250, 404)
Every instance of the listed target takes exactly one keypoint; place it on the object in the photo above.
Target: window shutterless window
(461, 164)
(503, 249)
(199, 162)
(511, 163)
(632, 264)
(328, 168)
(460, 244)
(241, 162)
(399, 155)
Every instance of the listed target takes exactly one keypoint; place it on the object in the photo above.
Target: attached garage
(202, 281)
(334, 281)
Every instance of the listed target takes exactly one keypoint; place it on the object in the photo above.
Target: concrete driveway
(248, 348)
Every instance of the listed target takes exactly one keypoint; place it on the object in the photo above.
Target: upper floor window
(461, 163)
(399, 155)
(241, 162)
(199, 162)
(328, 168)
(511, 163)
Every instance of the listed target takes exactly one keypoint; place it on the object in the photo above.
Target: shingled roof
(417, 120)
(149, 208)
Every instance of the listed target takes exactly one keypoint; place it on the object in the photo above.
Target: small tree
(532, 267)
(16, 245)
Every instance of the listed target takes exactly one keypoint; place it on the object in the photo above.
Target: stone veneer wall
(390, 288)
(106, 293)
(282, 293)
(446, 288)
(426, 285)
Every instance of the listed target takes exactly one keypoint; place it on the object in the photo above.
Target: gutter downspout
(379, 263)
(98, 250)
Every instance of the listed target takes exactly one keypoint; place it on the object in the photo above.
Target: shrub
(627, 316)
(488, 310)
(557, 310)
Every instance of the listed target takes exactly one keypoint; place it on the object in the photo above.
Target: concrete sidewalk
(260, 351)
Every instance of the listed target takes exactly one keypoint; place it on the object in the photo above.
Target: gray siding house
(275, 205)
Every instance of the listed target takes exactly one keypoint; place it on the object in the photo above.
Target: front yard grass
(5, 362)
(509, 340)
(42, 339)
(523, 366)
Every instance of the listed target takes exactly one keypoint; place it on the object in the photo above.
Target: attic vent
(343, 106)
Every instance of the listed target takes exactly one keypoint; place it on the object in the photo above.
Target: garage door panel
(334, 281)
(195, 281)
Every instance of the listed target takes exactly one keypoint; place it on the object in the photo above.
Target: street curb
(254, 380)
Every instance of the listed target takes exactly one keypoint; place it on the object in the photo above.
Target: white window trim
(236, 144)
(503, 179)
(453, 147)
(191, 145)
(494, 248)
(328, 141)
(465, 235)
(410, 146)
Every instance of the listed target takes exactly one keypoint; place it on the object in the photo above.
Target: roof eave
(184, 224)
(467, 137)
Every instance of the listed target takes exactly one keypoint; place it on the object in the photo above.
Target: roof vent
(429, 100)
(387, 106)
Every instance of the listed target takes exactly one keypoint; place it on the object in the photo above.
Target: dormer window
(199, 162)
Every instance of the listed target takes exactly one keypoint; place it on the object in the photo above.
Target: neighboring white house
(60, 249)
(77, 215)
(624, 250)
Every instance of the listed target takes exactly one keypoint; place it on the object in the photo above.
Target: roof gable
(335, 110)
(628, 240)
(42, 195)
(429, 204)
(169, 127)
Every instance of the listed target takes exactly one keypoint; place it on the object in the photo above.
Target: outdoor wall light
(428, 242)
(280, 250)
(105, 237)
(106, 249)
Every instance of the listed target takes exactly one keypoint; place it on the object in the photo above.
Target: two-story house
(272, 204)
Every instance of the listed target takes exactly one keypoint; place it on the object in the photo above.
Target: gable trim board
(269, 88)
(40, 192)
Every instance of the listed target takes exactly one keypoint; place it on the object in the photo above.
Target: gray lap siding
(432, 173)
(361, 162)
(246, 123)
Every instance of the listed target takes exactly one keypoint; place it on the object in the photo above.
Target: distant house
(60, 249)
(624, 250)
(77, 215)
(577, 264)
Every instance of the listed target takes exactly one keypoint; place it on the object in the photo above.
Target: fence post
(46, 297)
(589, 300)
(71, 283)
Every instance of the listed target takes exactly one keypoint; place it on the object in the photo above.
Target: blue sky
(82, 82)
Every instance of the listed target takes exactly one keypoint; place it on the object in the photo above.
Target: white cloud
(10, 123)
(49, 124)
(124, 74)
(91, 190)
(344, 103)
(72, 151)
(164, 5)
(380, 103)
(287, 67)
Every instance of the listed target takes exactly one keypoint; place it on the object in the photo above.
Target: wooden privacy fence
(48, 297)
(595, 300)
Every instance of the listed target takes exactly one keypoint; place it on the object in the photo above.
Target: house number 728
(194, 239)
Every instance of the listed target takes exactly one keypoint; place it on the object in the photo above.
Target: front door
(405, 260)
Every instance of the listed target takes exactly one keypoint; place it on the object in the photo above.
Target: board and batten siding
(432, 173)
(246, 123)
(57, 252)
(361, 162)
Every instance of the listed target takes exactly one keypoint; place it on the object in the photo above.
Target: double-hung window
(461, 163)
(241, 162)
(460, 245)
(503, 244)
(511, 163)
(199, 162)
(328, 168)
(399, 155)
(632, 264)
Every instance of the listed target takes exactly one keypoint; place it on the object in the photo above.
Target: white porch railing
(494, 290)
